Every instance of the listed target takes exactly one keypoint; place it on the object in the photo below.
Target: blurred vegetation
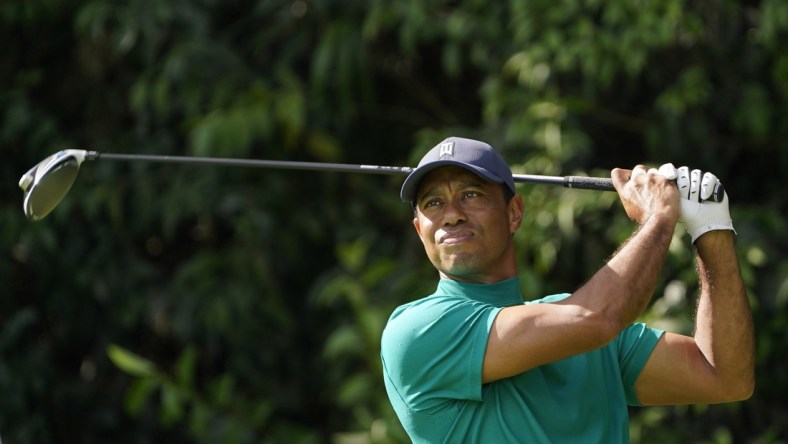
(163, 303)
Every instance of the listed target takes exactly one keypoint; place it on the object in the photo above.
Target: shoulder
(550, 299)
(428, 305)
(430, 310)
(435, 319)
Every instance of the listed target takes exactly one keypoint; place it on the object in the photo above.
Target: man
(473, 363)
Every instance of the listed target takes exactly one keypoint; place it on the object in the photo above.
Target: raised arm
(717, 364)
(524, 337)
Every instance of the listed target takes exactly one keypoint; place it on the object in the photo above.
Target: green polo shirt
(433, 349)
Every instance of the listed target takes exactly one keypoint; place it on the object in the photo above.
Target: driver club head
(47, 183)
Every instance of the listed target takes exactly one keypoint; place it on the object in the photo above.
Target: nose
(453, 214)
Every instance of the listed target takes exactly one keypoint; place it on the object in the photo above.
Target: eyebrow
(462, 184)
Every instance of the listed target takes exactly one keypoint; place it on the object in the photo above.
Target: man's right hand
(645, 194)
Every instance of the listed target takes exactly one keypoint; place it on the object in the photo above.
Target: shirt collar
(501, 294)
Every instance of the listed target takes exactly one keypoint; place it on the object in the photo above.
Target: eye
(470, 194)
(431, 203)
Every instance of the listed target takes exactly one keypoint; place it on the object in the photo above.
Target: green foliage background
(164, 303)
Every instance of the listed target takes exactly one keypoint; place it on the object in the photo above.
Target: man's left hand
(699, 214)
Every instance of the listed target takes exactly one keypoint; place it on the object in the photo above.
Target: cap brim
(411, 184)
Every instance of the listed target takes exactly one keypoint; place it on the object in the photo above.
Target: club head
(46, 184)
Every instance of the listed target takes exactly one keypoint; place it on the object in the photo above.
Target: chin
(459, 269)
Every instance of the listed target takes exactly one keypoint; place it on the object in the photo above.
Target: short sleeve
(635, 345)
(433, 351)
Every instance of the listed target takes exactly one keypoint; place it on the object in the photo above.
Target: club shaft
(276, 164)
(576, 182)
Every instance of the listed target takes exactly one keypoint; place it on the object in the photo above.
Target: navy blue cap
(473, 155)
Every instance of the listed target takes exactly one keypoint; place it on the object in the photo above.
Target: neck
(472, 278)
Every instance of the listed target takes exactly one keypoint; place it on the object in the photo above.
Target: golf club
(47, 183)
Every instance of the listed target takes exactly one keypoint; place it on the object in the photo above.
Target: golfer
(473, 363)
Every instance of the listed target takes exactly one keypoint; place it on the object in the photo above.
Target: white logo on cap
(447, 149)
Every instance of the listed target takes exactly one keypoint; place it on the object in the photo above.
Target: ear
(515, 211)
(417, 226)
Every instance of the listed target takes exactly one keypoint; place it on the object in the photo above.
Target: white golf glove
(698, 213)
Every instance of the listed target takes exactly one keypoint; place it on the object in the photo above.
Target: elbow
(740, 389)
(743, 385)
(738, 394)
(745, 390)
(747, 393)
(602, 329)
(601, 323)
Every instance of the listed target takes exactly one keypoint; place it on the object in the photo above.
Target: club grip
(589, 183)
(605, 184)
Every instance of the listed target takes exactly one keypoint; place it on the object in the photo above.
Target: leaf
(185, 367)
(200, 420)
(130, 363)
(345, 341)
(354, 389)
(352, 255)
(171, 404)
(139, 393)
(222, 390)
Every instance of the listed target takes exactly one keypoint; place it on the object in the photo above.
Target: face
(466, 225)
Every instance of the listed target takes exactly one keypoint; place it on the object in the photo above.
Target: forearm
(526, 336)
(621, 290)
(723, 326)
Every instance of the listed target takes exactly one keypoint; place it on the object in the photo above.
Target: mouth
(456, 237)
